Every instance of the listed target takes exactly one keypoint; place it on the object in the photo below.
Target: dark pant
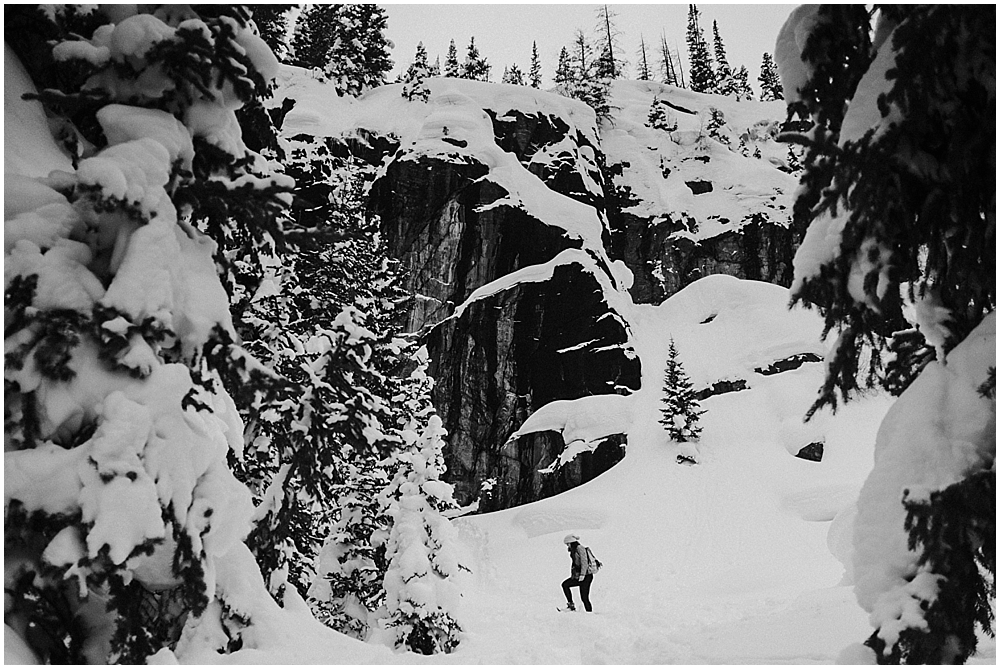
(584, 590)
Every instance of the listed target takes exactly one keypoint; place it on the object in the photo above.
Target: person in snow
(582, 573)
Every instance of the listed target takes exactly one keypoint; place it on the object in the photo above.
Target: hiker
(582, 572)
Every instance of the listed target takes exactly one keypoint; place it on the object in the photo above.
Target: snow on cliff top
(657, 165)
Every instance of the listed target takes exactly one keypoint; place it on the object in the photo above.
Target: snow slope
(723, 562)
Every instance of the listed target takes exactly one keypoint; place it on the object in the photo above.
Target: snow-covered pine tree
(122, 520)
(272, 25)
(349, 589)
(660, 117)
(770, 83)
(415, 83)
(535, 69)
(725, 77)
(900, 193)
(421, 596)
(680, 410)
(419, 60)
(435, 68)
(701, 73)
(644, 73)
(451, 64)
(513, 75)
(346, 43)
(475, 66)
(336, 272)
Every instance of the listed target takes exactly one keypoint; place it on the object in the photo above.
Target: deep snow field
(730, 561)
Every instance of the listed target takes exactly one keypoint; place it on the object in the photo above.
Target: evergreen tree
(123, 500)
(644, 73)
(435, 69)
(345, 43)
(451, 65)
(475, 66)
(680, 410)
(702, 75)
(610, 65)
(535, 70)
(415, 83)
(660, 117)
(421, 597)
(770, 84)
(513, 75)
(905, 175)
(588, 81)
(272, 25)
(725, 78)
(419, 61)
(564, 70)
(742, 79)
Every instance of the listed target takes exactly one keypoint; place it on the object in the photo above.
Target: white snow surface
(725, 562)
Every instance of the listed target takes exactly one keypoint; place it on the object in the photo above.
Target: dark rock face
(662, 264)
(812, 452)
(508, 354)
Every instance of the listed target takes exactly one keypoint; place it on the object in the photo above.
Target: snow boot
(569, 607)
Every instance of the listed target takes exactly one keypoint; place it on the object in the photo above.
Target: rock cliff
(522, 228)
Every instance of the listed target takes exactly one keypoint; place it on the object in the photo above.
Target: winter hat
(570, 538)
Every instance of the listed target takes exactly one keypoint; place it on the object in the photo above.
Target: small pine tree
(415, 83)
(421, 596)
(725, 78)
(610, 65)
(660, 117)
(703, 79)
(475, 66)
(564, 70)
(770, 83)
(419, 60)
(435, 69)
(743, 90)
(513, 75)
(535, 69)
(680, 410)
(451, 65)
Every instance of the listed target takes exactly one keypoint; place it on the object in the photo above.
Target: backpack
(593, 564)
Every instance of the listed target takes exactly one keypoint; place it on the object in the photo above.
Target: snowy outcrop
(707, 191)
(528, 231)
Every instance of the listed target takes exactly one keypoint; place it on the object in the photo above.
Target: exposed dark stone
(721, 388)
(663, 264)
(677, 107)
(788, 364)
(813, 452)
(519, 476)
(686, 460)
(501, 360)
(700, 186)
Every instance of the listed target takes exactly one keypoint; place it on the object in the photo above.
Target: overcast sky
(504, 32)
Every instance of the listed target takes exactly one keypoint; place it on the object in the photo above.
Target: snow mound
(745, 325)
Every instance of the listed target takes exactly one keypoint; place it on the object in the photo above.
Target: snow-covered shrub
(680, 410)
(660, 117)
(421, 597)
(899, 193)
(120, 508)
